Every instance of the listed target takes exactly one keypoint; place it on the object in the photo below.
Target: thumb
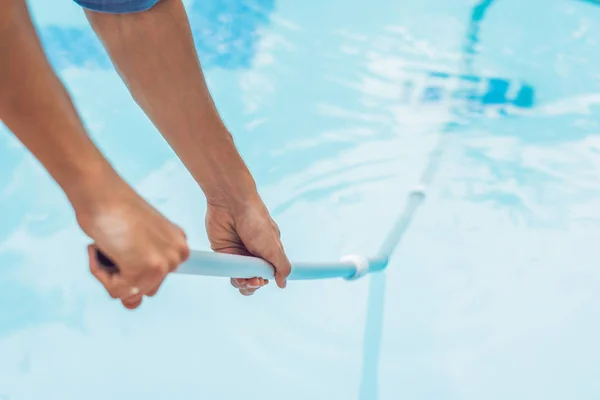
(275, 255)
(283, 268)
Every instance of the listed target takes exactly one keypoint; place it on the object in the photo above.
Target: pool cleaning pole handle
(208, 263)
(106, 263)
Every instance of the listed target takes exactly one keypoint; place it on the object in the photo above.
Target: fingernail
(253, 286)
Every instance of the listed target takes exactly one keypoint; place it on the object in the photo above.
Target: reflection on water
(225, 32)
(336, 117)
(73, 46)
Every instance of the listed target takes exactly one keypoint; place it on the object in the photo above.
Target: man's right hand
(35, 106)
(142, 242)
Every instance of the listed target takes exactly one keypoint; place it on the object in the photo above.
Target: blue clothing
(117, 6)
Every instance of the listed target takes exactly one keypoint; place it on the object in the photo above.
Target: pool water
(338, 109)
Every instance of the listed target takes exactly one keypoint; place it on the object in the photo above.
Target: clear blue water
(337, 107)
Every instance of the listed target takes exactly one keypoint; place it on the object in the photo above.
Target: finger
(133, 298)
(132, 303)
(252, 283)
(152, 292)
(181, 255)
(181, 232)
(238, 283)
(243, 283)
(184, 252)
(184, 249)
(114, 285)
(282, 266)
(247, 292)
(151, 275)
(277, 230)
(154, 289)
(281, 263)
(122, 288)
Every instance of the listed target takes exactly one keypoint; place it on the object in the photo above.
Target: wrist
(90, 186)
(231, 187)
(219, 170)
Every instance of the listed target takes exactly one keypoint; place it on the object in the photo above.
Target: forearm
(155, 55)
(35, 106)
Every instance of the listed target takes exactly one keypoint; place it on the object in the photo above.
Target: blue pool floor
(493, 291)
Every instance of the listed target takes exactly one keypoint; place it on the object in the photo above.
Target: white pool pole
(208, 263)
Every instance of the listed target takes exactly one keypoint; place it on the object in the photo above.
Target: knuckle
(270, 255)
(112, 292)
(120, 293)
(274, 256)
(283, 269)
(184, 251)
(276, 228)
(286, 268)
(175, 256)
(182, 233)
(157, 265)
(173, 263)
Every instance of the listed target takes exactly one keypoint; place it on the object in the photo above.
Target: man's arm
(35, 106)
(155, 55)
